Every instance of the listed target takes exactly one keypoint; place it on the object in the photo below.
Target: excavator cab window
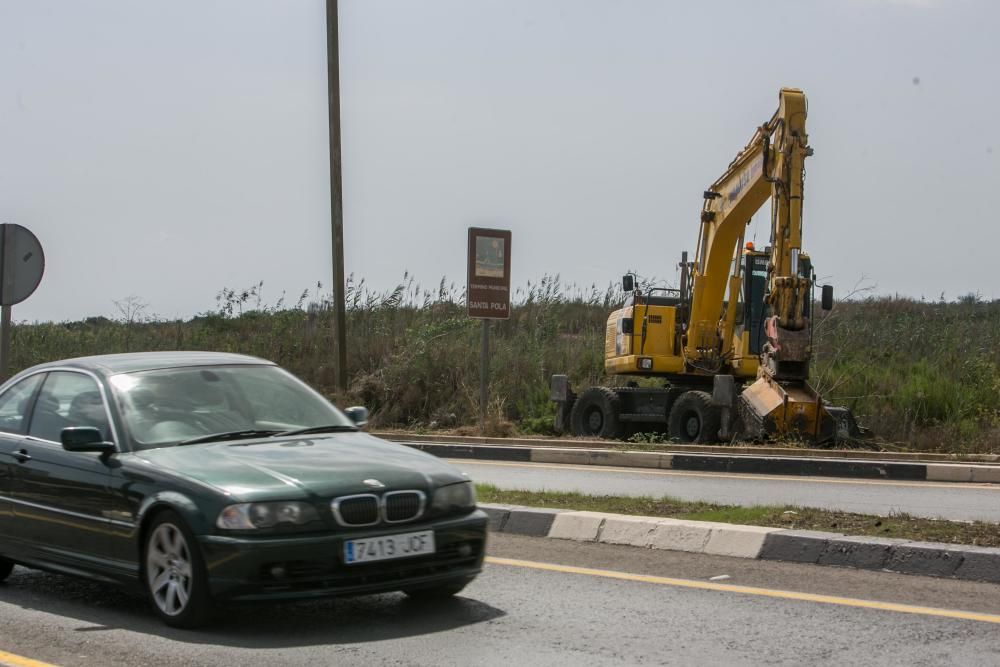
(754, 289)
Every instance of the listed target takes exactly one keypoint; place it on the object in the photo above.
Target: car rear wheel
(6, 567)
(174, 573)
(595, 414)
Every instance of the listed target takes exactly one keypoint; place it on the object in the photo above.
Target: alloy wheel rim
(168, 569)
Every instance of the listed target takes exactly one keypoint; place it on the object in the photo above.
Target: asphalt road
(632, 607)
(949, 500)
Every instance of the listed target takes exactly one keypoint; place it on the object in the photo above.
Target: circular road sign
(22, 264)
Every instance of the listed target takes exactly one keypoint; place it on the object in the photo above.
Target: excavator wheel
(595, 414)
(693, 418)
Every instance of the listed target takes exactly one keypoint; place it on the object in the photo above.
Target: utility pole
(336, 194)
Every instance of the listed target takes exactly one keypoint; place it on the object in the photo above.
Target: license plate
(387, 547)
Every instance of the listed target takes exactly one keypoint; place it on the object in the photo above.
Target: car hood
(304, 467)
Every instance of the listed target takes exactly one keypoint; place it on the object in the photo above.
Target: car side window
(68, 399)
(14, 403)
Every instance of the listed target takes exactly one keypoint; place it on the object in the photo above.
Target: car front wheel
(6, 567)
(174, 573)
(693, 418)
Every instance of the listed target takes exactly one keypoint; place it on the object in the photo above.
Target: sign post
(487, 294)
(22, 264)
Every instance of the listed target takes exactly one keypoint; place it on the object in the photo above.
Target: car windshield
(167, 406)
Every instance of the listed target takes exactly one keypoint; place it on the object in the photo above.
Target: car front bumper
(245, 569)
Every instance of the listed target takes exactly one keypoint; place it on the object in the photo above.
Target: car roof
(111, 364)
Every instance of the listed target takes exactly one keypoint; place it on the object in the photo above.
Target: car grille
(361, 510)
(367, 509)
(402, 506)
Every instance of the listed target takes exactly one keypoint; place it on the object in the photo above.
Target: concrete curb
(963, 473)
(723, 539)
(732, 463)
(678, 448)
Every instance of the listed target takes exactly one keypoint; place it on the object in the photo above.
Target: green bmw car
(208, 478)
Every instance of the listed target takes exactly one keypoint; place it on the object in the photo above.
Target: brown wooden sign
(488, 286)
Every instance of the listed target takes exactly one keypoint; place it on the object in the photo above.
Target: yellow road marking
(750, 590)
(747, 476)
(11, 660)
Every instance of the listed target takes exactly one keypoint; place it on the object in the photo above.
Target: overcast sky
(170, 148)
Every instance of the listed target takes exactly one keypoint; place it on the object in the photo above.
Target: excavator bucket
(769, 408)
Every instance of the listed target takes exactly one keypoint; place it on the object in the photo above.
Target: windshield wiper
(229, 435)
(329, 428)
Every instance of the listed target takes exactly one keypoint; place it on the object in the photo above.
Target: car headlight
(249, 516)
(454, 497)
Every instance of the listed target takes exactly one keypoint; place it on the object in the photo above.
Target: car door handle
(22, 456)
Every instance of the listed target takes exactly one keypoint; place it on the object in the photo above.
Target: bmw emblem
(374, 483)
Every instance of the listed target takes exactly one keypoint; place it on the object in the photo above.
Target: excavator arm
(769, 167)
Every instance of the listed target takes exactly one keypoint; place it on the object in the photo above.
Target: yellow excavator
(733, 343)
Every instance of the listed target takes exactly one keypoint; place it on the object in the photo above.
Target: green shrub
(921, 375)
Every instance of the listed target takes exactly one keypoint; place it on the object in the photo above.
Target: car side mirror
(85, 439)
(827, 300)
(628, 283)
(357, 414)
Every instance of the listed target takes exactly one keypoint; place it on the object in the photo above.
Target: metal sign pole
(5, 313)
(484, 376)
(4, 342)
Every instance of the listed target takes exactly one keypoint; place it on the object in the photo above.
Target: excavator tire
(595, 414)
(693, 418)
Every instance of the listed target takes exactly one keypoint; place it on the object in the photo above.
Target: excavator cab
(753, 307)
